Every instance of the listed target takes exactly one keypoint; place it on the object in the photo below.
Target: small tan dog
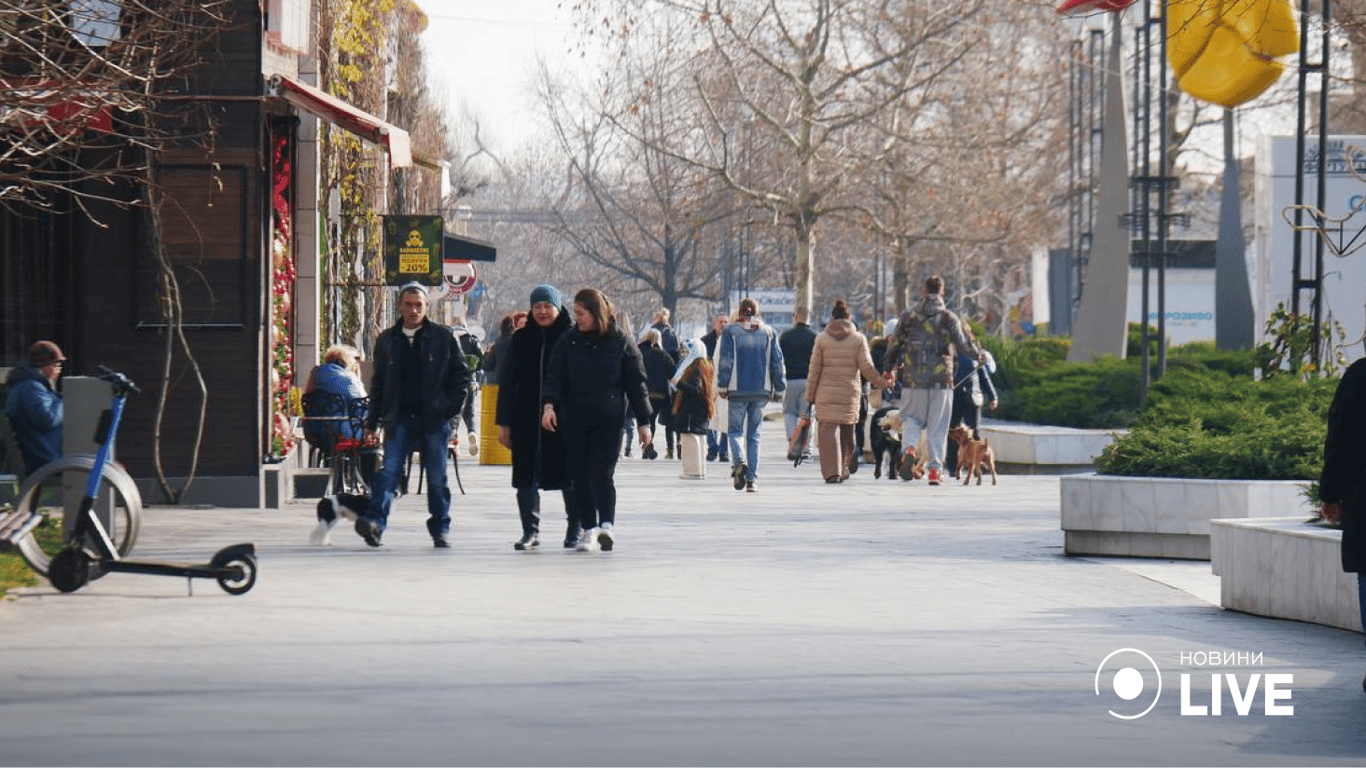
(972, 454)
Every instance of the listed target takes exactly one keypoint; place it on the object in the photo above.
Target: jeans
(746, 415)
(794, 404)
(1361, 594)
(927, 409)
(400, 441)
(716, 442)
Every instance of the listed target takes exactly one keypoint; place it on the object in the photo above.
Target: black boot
(529, 507)
(572, 531)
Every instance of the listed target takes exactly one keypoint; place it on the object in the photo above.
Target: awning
(458, 248)
(345, 116)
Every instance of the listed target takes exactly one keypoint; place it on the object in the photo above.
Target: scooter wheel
(242, 568)
(69, 569)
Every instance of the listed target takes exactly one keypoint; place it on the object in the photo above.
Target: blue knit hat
(547, 293)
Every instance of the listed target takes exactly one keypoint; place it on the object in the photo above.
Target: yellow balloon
(1225, 51)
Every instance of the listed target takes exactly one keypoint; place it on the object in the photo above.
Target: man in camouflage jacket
(922, 351)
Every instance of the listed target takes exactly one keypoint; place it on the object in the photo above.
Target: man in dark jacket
(34, 406)
(474, 362)
(796, 344)
(419, 384)
(668, 340)
(1342, 484)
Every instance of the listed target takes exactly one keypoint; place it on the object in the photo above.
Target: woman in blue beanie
(538, 460)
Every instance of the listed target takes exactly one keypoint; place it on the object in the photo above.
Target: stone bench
(1040, 449)
(1285, 568)
(1163, 516)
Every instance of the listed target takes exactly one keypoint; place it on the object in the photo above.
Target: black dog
(886, 440)
(347, 505)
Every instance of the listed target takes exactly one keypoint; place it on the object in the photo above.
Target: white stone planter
(1060, 449)
(1163, 516)
(1284, 568)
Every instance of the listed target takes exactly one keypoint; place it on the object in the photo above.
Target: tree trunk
(802, 272)
(900, 277)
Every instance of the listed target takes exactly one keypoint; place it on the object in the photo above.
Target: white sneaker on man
(606, 539)
(588, 541)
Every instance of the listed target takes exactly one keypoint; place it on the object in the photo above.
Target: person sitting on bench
(34, 406)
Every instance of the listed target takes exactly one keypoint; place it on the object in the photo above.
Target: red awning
(345, 116)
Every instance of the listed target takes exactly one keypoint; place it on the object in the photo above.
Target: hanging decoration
(1225, 51)
(1222, 51)
(281, 342)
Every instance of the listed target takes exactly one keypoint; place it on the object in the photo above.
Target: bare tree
(793, 89)
(628, 207)
(983, 179)
(94, 91)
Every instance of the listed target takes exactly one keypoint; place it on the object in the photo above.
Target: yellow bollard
(490, 450)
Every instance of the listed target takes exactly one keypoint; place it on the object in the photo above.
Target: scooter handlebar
(119, 380)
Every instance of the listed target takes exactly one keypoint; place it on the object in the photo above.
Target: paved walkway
(870, 623)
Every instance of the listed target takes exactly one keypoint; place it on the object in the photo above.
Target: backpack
(474, 354)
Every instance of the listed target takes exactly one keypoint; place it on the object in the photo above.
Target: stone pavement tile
(868, 623)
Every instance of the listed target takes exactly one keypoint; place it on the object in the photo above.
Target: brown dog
(973, 454)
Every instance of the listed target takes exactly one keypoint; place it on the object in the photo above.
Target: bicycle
(106, 520)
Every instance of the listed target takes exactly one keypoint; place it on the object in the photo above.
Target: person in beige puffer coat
(833, 388)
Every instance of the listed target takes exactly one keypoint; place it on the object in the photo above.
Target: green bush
(1215, 426)
(1018, 362)
(1205, 417)
(1098, 395)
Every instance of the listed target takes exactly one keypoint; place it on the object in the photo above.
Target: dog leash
(971, 373)
(455, 462)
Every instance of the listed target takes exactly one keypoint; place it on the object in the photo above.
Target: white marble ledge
(1171, 504)
(1020, 443)
(1284, 568)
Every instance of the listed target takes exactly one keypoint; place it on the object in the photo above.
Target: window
(287, 23)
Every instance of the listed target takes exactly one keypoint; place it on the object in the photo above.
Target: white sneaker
(606, 539)
(588, 541)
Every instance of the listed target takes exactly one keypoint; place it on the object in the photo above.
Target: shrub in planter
(1019, 362)
(1096, 395)
(1038, 385)
(1215, 426)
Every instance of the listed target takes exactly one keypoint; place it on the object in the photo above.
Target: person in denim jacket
(749, 373)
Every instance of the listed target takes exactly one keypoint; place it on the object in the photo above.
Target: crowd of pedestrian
(572, 386)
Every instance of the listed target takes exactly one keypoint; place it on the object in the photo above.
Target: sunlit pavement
(869, 623)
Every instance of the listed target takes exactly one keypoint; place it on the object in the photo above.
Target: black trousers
(591, 463)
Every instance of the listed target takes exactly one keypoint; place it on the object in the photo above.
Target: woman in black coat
(659, 367)
(1342, 485)
(595, 371)
(537, 454)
